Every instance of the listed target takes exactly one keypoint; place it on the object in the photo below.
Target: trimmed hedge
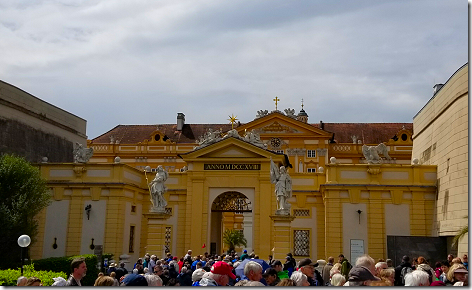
(9, 277)
(62, 264)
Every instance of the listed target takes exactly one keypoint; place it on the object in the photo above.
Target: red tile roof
(369, 133)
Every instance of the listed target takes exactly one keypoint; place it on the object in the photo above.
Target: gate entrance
(230, 210)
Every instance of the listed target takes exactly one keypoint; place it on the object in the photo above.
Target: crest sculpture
(262, 113)
(283, 187)
(209, 138)
(254, 138)
(81, 154)
(371, 153)
(290, 113)
(157, 190)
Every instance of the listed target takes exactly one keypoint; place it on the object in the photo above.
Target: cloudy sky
(141, 62)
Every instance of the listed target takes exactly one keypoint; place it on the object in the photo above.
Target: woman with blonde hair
(104, 281)
(286, 282)
(388, 275)
(456, 273)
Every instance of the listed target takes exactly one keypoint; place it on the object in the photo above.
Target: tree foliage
(23, 194)
(234, 238)
(461, 233)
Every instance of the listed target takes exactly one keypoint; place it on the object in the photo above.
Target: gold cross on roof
(302, 104)
(276, 101)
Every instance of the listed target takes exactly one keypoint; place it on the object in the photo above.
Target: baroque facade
(340, 203)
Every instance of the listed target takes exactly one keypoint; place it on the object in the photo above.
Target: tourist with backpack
(401, 270)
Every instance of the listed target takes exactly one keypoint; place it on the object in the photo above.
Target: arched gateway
(230, 210)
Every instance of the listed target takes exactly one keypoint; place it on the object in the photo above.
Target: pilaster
(156, 228)
(282, 233)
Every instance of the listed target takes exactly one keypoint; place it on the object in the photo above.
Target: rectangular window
(301, 243)
(279, 151)
(301, 212)
(311, 170)
(311, 153)
(131, 239)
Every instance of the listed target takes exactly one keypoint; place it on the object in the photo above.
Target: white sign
(357, 250)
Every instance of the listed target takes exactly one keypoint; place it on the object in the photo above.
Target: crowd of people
(249, 270)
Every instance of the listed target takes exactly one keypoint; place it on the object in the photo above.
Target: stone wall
(23, 140)
(441, 138)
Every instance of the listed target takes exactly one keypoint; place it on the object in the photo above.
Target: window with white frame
(311, 170)
(279, 151)
(311, 153)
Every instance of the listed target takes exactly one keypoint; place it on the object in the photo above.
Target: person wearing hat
(219, 275)
(270, 275)
(361, 276)
(197, 276)
(111, 268)
(457, 273)
(134, 280)
(244, 255)
(277, 265)
(307, 267)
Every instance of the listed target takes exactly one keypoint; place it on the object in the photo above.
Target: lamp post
(23, 241)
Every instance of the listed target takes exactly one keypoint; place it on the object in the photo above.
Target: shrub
(9, 277)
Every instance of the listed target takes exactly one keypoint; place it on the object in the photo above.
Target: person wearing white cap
(197, 275)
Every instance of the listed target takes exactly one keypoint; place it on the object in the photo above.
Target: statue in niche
(262, 113)
(290, 113)
(81, 154)
(254, 138)
(371, 153)
(283, 187)
(157, 189)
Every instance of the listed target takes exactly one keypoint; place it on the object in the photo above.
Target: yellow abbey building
(339, 203)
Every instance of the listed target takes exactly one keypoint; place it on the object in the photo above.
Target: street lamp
(23, 241)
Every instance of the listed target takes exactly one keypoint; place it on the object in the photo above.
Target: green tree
(23, 194)
(234, 238)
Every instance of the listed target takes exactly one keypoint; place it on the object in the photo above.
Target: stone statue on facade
(211, 136)
(157, 190)
(81, 154)
(254, 138)
(262, 113)
(290, 113)
(371, 153)
(283, 187)
(233, 133)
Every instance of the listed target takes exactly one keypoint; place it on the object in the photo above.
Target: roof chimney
(436, 88)
(180, 121)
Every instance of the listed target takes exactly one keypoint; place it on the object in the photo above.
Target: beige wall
(21, 106)
(441, 138)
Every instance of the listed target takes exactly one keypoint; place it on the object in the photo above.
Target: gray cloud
(141, 62)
